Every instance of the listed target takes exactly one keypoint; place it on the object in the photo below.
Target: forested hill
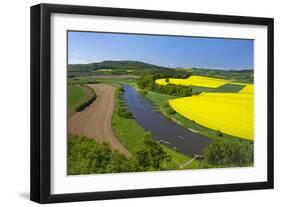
(127, 65)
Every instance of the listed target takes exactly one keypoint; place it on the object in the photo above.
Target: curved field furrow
(95, 121)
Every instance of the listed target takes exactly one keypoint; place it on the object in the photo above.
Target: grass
(128, 132)
(179, 159)
(76, 95)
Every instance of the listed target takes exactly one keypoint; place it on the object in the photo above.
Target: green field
(76, 95)
(226, 88)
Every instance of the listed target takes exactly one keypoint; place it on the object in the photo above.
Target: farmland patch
(194, 81)
(230, 113)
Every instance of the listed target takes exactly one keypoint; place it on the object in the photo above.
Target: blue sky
(171, 51)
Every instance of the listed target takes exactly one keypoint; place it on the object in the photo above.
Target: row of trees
(86, 156)
(122, 109)
(147, 81)
(171, 89)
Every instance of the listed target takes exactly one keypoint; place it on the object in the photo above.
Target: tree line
(122, 110)
(147, 81)
(86, 156)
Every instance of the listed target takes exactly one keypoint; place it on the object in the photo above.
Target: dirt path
(95, 121)
(190, 161)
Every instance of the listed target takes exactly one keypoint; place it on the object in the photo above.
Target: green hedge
(88, 102)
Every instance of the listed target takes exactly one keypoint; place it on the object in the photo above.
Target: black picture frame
(41, 96)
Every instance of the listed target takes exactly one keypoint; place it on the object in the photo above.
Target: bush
(143, 92)
(219, 133)
(152, 155)
(123, 112)
(171, 110)
(167, 104)
(227, 154)
(121, 89)
(92, 82)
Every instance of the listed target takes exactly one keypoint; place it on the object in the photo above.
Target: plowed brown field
(95, 121)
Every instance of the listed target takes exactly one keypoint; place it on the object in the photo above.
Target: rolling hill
(138, 67)
(124, 64)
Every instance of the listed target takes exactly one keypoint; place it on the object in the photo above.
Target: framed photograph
(133, 103)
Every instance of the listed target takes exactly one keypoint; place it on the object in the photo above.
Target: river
(164, 130)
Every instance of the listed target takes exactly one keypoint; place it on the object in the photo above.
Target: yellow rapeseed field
(231, 113)
(195, 81)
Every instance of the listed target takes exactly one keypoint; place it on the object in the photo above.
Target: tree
(156, 152)
(86, 156)
(143, 158)
(226, 153)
